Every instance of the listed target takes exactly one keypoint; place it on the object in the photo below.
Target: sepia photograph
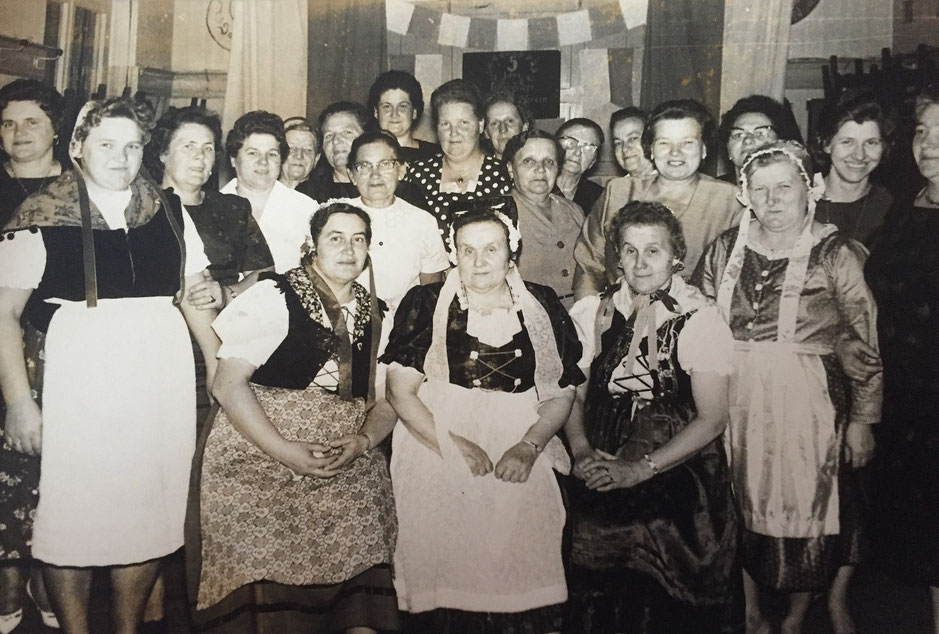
(469, 316)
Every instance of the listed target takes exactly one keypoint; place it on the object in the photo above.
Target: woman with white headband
(482, 370)
(115, 413)
(791, 289)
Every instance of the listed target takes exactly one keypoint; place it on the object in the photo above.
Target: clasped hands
(321, 460)
(604, 472)
(514, 465)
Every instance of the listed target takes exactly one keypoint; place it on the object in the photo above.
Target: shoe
(9, 622)
(48, 616)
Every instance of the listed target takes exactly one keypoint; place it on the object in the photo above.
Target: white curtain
(756, 48)
(268, 65)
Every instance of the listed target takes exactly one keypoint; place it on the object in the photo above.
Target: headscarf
(798, 263)
(548, 366)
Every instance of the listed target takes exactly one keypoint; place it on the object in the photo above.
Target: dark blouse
(321, 187)
(422, 152)
(471, 361)
(138, 262)
(586, 195)
(233, 241)
(14, 191)
(308, 346)
(861, 219)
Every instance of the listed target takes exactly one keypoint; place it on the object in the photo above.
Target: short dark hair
(357, 110)
(505, 95)
(675, 110)
(518, 141)
(646, 213)
(779, 115)
(582, 122)
(166, 126)
(858, 108)
(373, 137)
(322, 215)
(116, 108)
(256, 122)
(456, 91)
(400, 80)
(48, 98)
(628, 113)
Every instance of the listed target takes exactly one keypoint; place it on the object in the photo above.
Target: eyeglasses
(570, 143)
(762, 133)
(383, 166)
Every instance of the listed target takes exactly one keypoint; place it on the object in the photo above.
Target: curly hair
(397, 80)
(256, 122)
(676, 110)
(117, 108)
(48, 99)
(648, 213)
(779, 115)
(456, 91)
(166, 126)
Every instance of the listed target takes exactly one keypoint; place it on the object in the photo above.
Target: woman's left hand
(206, 294)
(615, 473)
(859, 444)
(516, 463)
(350, 446)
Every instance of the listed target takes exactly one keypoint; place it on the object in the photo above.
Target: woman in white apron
(791, 288)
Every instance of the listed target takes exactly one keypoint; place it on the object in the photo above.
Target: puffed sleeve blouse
(413, 329)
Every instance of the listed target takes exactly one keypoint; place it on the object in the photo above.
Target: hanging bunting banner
(512, 35)
(454, 30)
(398, 16)
(504, 34)
(573, 28)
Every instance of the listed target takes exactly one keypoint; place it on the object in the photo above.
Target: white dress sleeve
(196, 260)
(435, 256)
(706, 343)
(254, 324)
(22, 259)
(584, 315)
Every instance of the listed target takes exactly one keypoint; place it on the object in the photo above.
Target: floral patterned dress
(271, 538)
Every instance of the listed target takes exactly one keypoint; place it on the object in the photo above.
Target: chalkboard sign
(533, 76)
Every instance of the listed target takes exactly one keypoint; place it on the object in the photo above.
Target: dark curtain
(347, 50)
(683, 47)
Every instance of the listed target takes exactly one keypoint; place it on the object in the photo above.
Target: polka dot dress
(425, 176)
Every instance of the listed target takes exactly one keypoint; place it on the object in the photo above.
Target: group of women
(714, 356)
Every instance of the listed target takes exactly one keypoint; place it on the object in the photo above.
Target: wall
(23, 20)
(847, 28)
(924, 29)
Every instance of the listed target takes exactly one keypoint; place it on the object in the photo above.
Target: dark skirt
(366, 600)
(809, 565)
(447, 621)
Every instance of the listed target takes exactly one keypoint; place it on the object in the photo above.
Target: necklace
(42, 184)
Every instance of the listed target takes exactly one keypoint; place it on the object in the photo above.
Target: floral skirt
(260, 523)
